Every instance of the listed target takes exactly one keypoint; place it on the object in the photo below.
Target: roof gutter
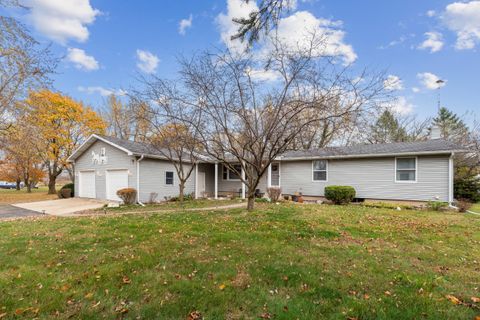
(377, 155)
(138, 179)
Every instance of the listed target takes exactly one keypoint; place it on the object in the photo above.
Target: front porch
(214, 180)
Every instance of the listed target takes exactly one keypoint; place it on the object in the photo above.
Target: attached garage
(86, 183)
(115, 180)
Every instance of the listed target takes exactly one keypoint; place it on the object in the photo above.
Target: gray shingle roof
(437, 146)
(429, 146)
(132, 146)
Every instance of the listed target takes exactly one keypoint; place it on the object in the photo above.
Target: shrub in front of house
(340, 194)
(67, 191)
(128, 195)
(468, 189)
(463, 205)
(437, 205)
(274, 193)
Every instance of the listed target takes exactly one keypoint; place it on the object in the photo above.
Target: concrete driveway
(62, 207)
(8, 211)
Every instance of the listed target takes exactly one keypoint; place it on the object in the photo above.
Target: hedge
(340, 194)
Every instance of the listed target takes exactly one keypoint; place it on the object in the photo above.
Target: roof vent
(435, 133)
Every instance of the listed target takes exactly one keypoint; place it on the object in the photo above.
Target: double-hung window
(169, 178)
(319, 168)
(406, 169)
(231, 175)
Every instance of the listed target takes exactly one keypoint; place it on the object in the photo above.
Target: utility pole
(439, 83)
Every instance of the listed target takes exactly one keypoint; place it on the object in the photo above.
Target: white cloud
(263, 75)
(415, 89)
(463, 18)
(295, 31)
(433, 42)
(235, 9)
(81, 60)
(184, 24)
(400, 106)
(102, 91)
(431, 81)
(147, 61)
(62, 20)
(431, 13)
(393, 83)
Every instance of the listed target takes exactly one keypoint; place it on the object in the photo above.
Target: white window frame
(326, 171)
(279, 175)
(228, 173)
(416, 170)
(165, 178)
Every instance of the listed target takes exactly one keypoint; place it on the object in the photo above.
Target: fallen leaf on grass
(266, 315)
(2, 315)
(453, 299)
(222, 286)
(194, 315)
(126, 280)
(476, 300)
(89, 295)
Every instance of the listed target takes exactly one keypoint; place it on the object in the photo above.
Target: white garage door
(116, 180)
(86, 183)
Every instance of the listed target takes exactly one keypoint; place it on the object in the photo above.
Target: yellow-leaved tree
(62, 125)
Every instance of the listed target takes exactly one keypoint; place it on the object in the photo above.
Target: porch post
(243, 183)
(196, 181)
(269, 176)
(216, 180)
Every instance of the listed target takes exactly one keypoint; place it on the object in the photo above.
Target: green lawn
(475, 208)
(18, 196)
(187, 204)
(279, 262)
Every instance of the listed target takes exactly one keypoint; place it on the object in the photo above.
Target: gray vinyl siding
(235, 186)
(371, 177)
(116, 159)
(152, 180)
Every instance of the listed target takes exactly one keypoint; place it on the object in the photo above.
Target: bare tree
(127, 120)
(170, 131)
(23, 64)
(247, 123)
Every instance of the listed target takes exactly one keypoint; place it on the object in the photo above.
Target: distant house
(414, 171)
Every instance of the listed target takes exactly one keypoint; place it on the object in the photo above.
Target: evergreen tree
(450, 125)
(387, 129)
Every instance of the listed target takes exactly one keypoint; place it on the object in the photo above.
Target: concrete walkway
(62, 207)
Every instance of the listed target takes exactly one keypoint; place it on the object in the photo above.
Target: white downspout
(138, 179)
(450, 180)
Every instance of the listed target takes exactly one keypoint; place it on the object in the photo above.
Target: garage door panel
(116, 180)
(87, 184)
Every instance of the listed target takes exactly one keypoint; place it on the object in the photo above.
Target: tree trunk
(28, 184)
(17, 184)
(251, 202)
(51, 184)
(181, 191)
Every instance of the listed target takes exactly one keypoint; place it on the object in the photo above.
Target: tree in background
(262, 20)
(451, 126)
(387, 129)
(23, 162)
(61, 124)
(24, 64)
(129, 120)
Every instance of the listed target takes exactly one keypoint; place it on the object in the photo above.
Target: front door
(201, 184)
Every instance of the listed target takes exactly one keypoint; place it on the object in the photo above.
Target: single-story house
(414, 171)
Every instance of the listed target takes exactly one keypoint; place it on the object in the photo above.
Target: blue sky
(107, 44)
